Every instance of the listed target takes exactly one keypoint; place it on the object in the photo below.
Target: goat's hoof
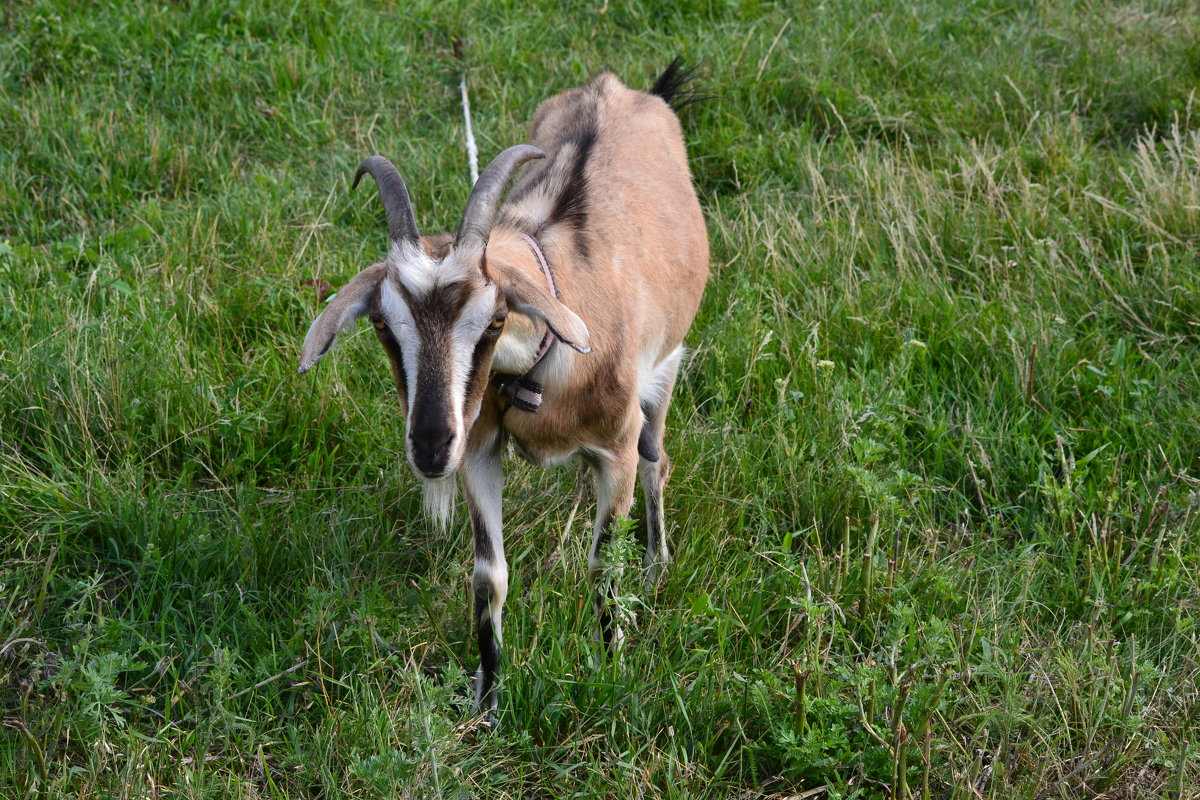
(656, 570)
(481, 725)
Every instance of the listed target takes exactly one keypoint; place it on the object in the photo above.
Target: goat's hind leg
(653, 464)
(613, 477)
(654, 476)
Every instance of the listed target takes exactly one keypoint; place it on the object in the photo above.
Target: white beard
(439, 498)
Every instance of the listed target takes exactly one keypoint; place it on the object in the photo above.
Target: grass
(936, 504)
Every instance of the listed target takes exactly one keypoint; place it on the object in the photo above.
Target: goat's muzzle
(431, 448)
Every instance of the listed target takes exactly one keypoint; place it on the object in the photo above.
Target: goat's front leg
(483, 483)
(614, 476)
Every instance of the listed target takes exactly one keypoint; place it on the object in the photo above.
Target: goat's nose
(431, 449)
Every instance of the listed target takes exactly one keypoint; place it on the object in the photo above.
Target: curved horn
(402, 225)
(476, 225)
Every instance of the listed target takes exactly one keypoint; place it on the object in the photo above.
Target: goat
(579, 289)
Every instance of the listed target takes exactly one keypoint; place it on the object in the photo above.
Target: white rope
(472, 151)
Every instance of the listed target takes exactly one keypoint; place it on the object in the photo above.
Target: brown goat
(601, 247)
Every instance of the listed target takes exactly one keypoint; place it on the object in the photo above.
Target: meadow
(935, 508)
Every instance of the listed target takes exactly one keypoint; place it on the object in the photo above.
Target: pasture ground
(936, 504)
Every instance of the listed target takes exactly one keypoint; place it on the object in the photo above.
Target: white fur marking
(496, 577)
(519, 344)
(468, 329)
(439, 497)
(399, 318)
(416, 270)
(653, 379)
(483, 478)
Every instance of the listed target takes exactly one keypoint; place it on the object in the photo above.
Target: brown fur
(613, 210)
(640, 287)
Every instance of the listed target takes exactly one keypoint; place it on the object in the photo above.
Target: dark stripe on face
(430, 408)
(437, 310)
(435, 315)
(391, 347)
(396, 357)
(477, 379)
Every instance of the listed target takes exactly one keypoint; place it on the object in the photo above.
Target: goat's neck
(518, 346)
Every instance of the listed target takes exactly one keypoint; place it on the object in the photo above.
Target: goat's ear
(343, 311)
(534, 300)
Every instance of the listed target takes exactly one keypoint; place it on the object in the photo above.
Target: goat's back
(615, 192)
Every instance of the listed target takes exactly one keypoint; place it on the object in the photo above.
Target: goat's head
(439, 307)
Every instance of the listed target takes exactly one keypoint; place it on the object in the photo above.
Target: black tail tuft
(673, 85)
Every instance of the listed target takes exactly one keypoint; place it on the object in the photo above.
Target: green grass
(936, 500)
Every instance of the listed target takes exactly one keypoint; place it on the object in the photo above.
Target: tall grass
(936, 493)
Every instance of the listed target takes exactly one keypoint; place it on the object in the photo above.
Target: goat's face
(439, 311)
(438, 321)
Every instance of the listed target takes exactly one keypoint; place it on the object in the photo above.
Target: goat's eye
(497, 322)
(378, 322)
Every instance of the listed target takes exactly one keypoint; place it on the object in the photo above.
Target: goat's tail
(674, 85)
